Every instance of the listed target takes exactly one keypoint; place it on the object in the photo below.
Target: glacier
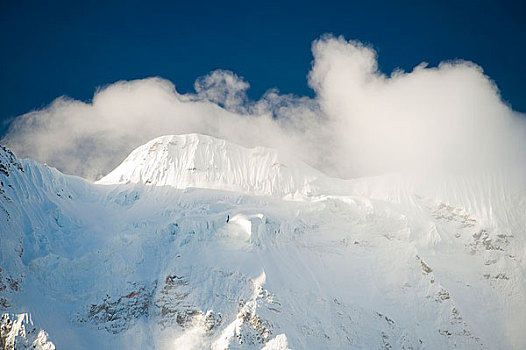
(193, 242)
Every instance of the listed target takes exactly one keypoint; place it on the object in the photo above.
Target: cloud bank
(360, 122)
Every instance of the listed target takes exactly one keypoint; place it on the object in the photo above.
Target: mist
(360, 122)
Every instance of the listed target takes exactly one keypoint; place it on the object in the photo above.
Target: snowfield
(194, 242)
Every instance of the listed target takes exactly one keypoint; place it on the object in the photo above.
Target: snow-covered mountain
(201, 161)
(194, 242)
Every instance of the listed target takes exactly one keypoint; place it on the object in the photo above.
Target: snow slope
(201, 161)
(240, 253)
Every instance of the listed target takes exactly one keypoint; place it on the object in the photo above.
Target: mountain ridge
(195, 160)
(373, 263)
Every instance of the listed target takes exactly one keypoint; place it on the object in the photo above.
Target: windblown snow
(194, 242)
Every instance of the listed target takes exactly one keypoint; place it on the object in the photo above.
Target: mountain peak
(195, 160)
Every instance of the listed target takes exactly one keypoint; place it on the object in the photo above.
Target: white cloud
(446, 117)
(360, 122)
(223, 88)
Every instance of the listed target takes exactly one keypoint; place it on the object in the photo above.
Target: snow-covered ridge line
(195, 160)
(18, 332)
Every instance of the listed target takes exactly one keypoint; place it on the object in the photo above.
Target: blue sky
(59, 48)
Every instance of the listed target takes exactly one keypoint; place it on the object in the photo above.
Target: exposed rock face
(116, 315)
(8, 160)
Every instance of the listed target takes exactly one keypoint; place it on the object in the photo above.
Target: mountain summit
(201, 161)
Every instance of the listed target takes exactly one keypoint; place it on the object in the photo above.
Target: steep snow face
(388, 262)
(18, 332)
(201, 161)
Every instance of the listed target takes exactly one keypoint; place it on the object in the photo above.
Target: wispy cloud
(360, 122)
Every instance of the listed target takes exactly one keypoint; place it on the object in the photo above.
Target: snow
(194, 160)
(243, 253)
(18, 330)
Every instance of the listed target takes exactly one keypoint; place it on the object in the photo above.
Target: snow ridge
(18, 332)
(201, 161)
